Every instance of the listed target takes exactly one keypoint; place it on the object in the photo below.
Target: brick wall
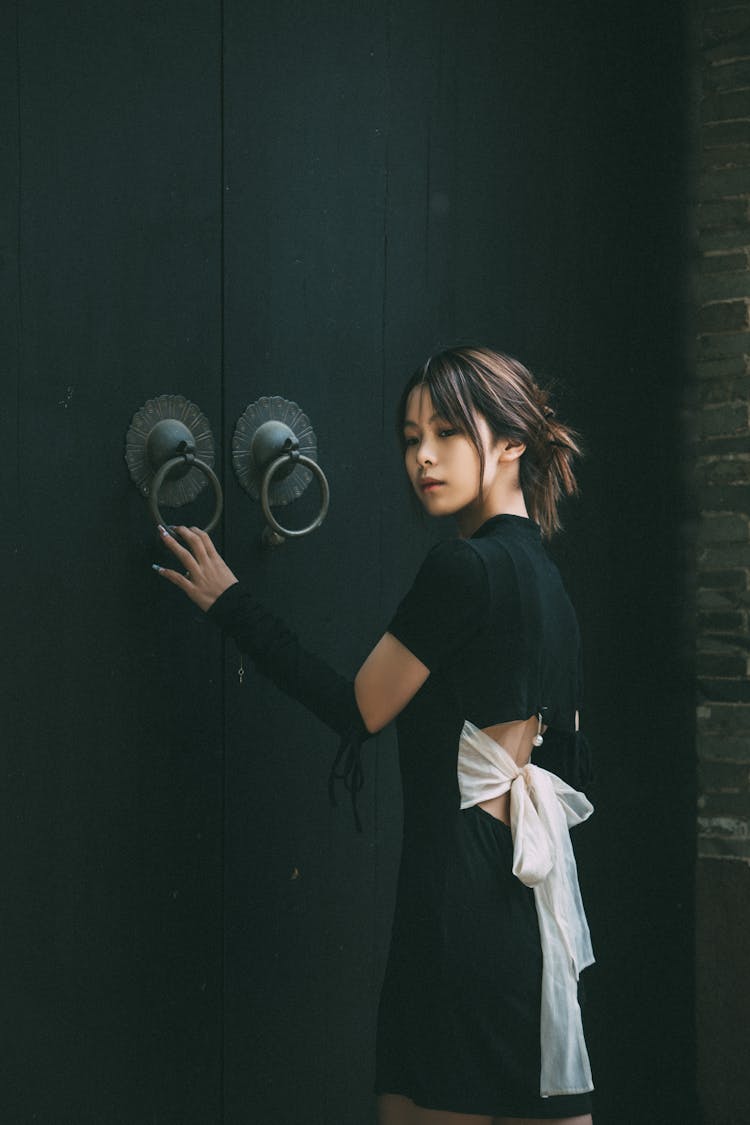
(722, 463)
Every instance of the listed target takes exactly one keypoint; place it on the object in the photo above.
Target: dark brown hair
(469, 381)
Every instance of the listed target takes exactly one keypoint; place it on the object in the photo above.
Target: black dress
(459, 1015)
(458, 1025)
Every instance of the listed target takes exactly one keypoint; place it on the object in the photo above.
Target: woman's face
(442, 463)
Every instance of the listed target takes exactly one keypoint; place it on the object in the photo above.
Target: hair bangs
(450, 395)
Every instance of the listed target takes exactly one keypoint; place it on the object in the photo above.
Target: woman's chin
(437, 504)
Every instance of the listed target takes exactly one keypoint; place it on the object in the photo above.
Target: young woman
(479, 1019)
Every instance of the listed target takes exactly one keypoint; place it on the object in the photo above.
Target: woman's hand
(206, 575)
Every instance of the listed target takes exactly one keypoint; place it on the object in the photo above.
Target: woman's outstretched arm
(390, 676)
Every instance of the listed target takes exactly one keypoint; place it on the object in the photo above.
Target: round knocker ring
(194, 463)
(314, 467)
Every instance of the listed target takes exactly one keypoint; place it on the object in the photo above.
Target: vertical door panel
(305, 184)
(112, 752)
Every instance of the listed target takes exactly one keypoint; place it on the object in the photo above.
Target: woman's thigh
(393, 1109)
(583, 1120)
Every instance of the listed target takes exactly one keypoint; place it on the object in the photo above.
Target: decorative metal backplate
(285, 489)
(178, 490)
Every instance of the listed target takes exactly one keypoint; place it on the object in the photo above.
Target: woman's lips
(430, 485)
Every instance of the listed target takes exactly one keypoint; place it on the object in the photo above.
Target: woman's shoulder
(446, 605)
(454, 560)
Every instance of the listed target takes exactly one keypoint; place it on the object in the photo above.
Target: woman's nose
(425, 454)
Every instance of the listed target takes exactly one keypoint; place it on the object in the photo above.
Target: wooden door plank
(113, 746)
(305, 160)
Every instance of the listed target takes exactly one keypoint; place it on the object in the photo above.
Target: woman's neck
(506, 502)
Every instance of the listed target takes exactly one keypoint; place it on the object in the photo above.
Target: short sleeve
(446, 606)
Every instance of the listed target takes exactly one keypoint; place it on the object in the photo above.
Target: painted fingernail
(163, 530)
(157, 568)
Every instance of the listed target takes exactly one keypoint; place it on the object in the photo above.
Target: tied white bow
(542, 810)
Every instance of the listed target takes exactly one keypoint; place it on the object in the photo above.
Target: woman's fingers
(171, 543)
(173, 577)
(198, 541)
(195, 589)
(207, 575)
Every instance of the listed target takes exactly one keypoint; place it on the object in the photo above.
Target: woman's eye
(448, 432)
(410, 441)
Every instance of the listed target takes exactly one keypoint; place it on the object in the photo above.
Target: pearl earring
(537, 739)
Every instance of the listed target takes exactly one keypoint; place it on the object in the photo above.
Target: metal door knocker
(170, 452)
(274, 453)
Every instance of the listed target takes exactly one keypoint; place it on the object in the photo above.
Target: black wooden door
(229, 200)
(112, 771)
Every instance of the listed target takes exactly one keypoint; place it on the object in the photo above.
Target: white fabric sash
(542, 810)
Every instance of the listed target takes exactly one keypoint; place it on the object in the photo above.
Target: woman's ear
(510, 450)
